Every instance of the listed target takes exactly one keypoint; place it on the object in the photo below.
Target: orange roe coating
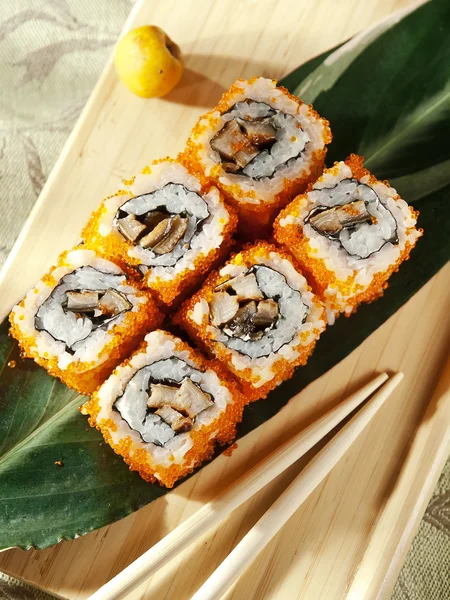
(174, 291)
(85, 377)
(248, 377)
(229, 451)
(222, 430)
(167, 292)
(321, 278)
(255, 218)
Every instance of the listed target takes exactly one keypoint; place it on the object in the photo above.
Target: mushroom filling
(257, 312)
(352, 214)
(163, 399)
(161, 224)
(257, 139)
(82, 302)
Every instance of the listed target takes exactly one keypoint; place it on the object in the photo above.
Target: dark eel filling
(257, 312)
(355, 218)
(162, 222)
(82, 302)
(258, 140)
(162, 400)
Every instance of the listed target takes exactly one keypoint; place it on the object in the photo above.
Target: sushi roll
(260, 146)
(169, 223)
(349, 233)
(257, 315)
(164, 409)
(83, 318)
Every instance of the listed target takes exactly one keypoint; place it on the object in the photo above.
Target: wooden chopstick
(295, 494)
(212, 513)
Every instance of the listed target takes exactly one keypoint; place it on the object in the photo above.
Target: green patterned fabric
(51, 55)
(16, 589)
(426, 572)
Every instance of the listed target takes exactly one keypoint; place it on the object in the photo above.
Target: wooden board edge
(76, 138)
(429, 435)
(413, 523)
(424, 461)
(35, 586)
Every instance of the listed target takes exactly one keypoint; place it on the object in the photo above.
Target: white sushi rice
(101, 274)
(291, 140)
(369, 237)
(274, 286)
(162, 360)
(301, 133)
(300, 313)
(168, 179)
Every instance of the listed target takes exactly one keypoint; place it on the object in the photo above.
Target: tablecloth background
(51, 55)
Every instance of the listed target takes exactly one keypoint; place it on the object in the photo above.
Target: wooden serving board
(350, 538)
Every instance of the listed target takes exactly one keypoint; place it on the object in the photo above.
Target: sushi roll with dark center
(258, 316)
(164, 409)
(260, 146)
(349, 233)
(83, 318)
(169, 223)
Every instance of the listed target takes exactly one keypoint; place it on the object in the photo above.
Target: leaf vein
(37, 431)
(411, 125)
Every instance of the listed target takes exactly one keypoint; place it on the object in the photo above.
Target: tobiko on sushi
(164, 409)
(83, 318)
(260, 146)
(169, 223)
(257, 317)
(349, 233)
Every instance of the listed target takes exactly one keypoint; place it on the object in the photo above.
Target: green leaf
(302, 73)
(386, 94)
(41, 502)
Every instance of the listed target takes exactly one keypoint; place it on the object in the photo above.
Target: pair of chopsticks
(212, 513)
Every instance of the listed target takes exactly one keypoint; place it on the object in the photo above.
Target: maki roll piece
(260, 146)
(258, 316)
(164, 409)
(170, 224)
(83, 318)
(349, 233)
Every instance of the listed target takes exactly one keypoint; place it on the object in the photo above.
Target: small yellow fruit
(148, 62)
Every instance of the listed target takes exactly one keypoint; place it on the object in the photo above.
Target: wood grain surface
(349, 539)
